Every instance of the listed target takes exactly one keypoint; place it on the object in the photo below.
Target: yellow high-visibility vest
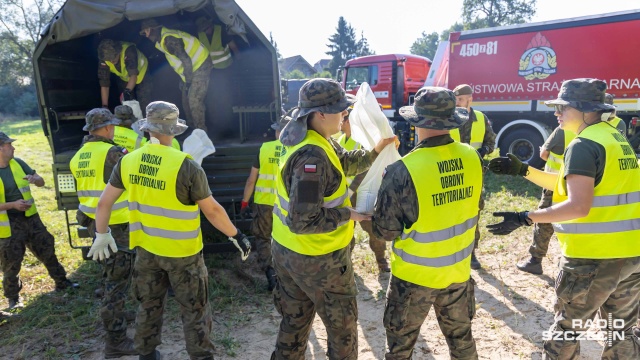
(348, 144)
(192, 47)
(5, 225)
(174, 143)
(265, 192)
(128, 138)
(554, 161)
(220, 55)
(612, 227)
(123, 73)
(159, 222)
(25, 190)
(311, 244)
(436, 250)
(87, 167)
(615, 121)
(478, 128)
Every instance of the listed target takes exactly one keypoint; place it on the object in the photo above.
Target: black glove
(246, 212)
(508, 165)
(127, 95)
(482, 151)
(241, 241)
(512, 221)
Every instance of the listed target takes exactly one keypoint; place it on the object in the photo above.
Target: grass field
(66, 325)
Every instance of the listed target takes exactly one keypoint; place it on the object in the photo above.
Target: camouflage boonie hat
(125, 114)
(5, 139)
(608, 98)
(109, 49)
(148, 23)
(585, 95)
(435, 108)
(323, 95)
(99, 118)
(462, 89)
(162, 118)
(282, 122)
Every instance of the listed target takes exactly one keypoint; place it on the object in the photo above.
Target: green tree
(295, 74)
(275, 46)
(362, 48)
(444, 35)
(325, 74)
(344, 46)
(426, 45)
(478, 14)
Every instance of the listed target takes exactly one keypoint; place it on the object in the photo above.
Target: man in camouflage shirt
(117, 269)
(312, 225)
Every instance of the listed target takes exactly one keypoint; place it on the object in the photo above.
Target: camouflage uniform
(261, 228)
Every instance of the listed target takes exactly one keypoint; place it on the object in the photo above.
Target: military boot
(116, 349)
(272, 280)
(533, 265)
(99, 293)
(15, 303)
(475, 264)
(66, 284)
(155, 355)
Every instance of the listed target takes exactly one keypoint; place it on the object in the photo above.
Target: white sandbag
(368, 126)
(198, 145)
(135, 106)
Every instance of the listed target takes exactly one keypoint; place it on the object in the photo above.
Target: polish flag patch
(310, 168)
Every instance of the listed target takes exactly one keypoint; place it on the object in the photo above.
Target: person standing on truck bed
(130, 65)
(127, 137)
(190, 60)
(478, 133)
(221, 47)
(431, 221)
(616, 121)
(91, 166)
(596, 217)
(312, 225)
(166, 189)
(21, 227)
(263, 179)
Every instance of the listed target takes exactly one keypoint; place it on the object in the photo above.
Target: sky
(299, 28)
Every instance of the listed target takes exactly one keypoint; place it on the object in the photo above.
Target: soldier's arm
(489, 141)
(131, 63)
(250, 185)
(113, 156)
(175, 46)
(397, 203)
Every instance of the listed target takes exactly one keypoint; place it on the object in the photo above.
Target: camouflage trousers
(142, 91)
(315, 284)
(152, 276)
(116, 272)
(542, 232)
(261, 229)
(376, 244)
(27, 232)
(585, 287)
(409, 304)
(193, 99)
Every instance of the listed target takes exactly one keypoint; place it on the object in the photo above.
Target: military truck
(242, 102)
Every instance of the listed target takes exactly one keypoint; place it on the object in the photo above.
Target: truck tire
(525, 144)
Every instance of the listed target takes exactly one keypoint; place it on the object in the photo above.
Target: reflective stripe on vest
(23, 186)
(478, 128)
(87, 167)
(192, 46)
(159, 222)
(220, 55)
(5, 226)
(127, 138)
(554, 161)
(615, 121)
(435, 251)
(348, 144)
(612, 227)
(311, 244)
(124, 73)
(265, 192)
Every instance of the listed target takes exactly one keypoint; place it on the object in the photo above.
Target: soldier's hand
(127, 95)
(384, 142)
(101, 245)
(21, 205)
(510, 222)
(245, 210)
(356, 216)
(241, 241)
(508, 165)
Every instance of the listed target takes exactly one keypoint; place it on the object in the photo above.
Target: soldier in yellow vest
(263, 179)
(130, 66)
(123, 134)
(91, 166)
(190, 60)
(221, 47)
(478, 133)
(596, 217)
(427, 206)
(615, 120)
(20, 225)
(313, 225)
(166, 190)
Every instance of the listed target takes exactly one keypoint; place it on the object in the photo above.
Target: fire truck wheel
(525, 144)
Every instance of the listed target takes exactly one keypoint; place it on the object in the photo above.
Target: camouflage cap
(148, 24)
(608, 98)
(322, 95)
(125, 114)
(282, 122)
(162, 118)
(202, 23)
(463, 89)
(586, 95)
(5, 139)
(98, 118)
(109, 49)
(435, 108)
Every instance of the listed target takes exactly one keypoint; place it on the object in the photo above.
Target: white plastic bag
(368, 126)
(198, 145)
(135, 106)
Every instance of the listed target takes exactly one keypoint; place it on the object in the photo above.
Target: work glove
(482, 151)
(510, 222)
(245, 210)
(241, 241)
(508, 165)
(127, 95)
(100, 248)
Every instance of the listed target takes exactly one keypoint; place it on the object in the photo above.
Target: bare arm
(541, 178)
(580, 191)
(250, 184)
(544, 154)
(35, 179)
(103, 211)
(216, 215)
(104, 95)
(19, 205)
